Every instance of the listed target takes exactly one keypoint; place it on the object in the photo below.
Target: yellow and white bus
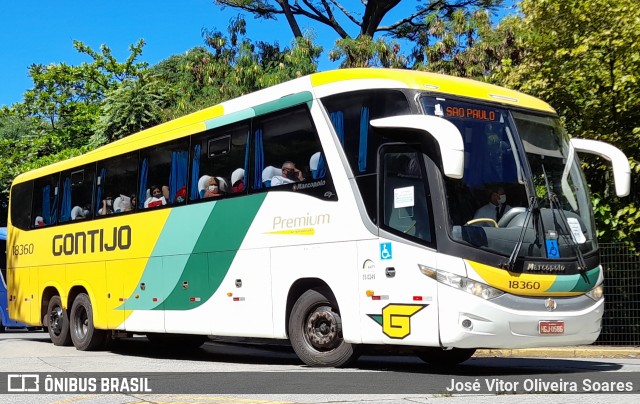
(338, 210)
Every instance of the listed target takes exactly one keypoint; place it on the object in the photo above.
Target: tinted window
(21, 198)
(164, 168)
(406, 203)
(77, 191)
(287, 151)
(46, 198)
(116, 181)
(350, 114)
(219, 162)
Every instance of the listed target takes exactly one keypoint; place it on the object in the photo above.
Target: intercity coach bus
(337, 210)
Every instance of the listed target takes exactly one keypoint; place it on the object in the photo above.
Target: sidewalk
(588, 351)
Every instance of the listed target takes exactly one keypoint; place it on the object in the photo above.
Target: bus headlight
(596, 293)
(463, 283)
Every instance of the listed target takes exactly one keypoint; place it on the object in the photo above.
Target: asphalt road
(222, 372)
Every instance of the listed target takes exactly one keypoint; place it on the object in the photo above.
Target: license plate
(551, 327)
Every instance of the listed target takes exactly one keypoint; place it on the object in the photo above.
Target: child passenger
(156, 199)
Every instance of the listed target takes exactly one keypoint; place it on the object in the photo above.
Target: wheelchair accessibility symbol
(385, 251)
(552, 249)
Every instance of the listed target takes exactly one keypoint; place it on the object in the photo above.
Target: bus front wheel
(84, 335)
(58, 322)
(442, 357)
(315, 331)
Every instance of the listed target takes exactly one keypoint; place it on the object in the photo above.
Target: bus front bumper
(467, 321)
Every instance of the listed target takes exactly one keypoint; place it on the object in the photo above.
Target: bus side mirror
(619, 161)
(446, 135)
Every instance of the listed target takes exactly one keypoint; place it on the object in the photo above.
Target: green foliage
(232, 66)
(129, 108)
(367, 52)
(68, 97)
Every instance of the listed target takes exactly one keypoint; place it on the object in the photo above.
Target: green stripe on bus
(169, 256)
(284, 102)
(221, 237)
(230, 118)
(576, 283)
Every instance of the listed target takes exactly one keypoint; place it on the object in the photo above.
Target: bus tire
(315, 331)
(58, 322)
(2, 328)
(84, 335)
(442, 358)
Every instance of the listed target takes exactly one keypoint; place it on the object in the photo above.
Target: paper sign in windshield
(576, 230)
(403, 197)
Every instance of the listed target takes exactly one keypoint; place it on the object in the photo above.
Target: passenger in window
(165, 192)
(213, 188)
(39, 221)
(122, 204)
(107, 206)
(290, 174)
(496, 208)
(237, 180)
(156, 199)
(128, 203)
(79, 212)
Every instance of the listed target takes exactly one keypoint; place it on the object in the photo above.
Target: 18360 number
(526, 285)
(23, 249)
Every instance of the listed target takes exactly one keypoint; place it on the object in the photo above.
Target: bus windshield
(522, 191)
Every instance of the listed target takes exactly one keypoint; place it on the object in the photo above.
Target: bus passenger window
(165, 166)
(46, 198)
(116, 177)
(218, 161)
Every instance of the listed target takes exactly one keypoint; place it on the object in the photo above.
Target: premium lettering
(280, 222)
(92, 241)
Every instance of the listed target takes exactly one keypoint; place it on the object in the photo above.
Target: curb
(565, 352)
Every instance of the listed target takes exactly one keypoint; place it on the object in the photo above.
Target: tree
(357, 30)
(468, 45)
(230, 66)
(336, 16)
(69, 97)
(130, 107)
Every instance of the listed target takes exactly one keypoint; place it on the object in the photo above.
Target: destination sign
(476, 113)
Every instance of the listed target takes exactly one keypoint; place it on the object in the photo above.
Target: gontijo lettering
(92, 241)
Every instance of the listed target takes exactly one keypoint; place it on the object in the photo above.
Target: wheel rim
(55, 320)
(81, 325)
(322, 329)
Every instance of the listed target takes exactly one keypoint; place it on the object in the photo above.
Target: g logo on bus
(396, 319)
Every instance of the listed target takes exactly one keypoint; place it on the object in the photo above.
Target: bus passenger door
(399, 299)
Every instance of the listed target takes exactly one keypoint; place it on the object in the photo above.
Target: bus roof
(433, 82)
(298, 90)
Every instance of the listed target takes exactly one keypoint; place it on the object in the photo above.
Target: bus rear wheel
(58, 322)
(84, 335)
(315, 331)
(443, 358)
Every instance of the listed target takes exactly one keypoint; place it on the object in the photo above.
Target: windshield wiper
(533, 210)
(555, 201)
